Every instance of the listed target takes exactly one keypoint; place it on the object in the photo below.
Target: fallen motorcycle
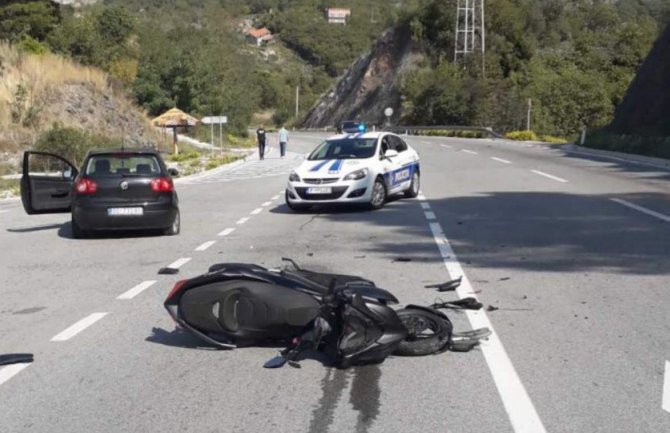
(348, 317)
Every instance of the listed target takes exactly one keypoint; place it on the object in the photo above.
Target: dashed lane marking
(267, 203)
(275, 197)
(642, 209)
(205, 245)
(666, 388)
(130, 294)
(257, 211)
(78, 327)
(10, 371)
(425, 206)
(469, 151)
(504, 161)
(227, 231)
(430, 215)
(550, 176)
(242, 220)
(179, 263)
(447, 146)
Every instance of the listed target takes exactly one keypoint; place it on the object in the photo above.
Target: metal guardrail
(412, 129)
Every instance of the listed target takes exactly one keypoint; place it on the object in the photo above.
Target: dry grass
(38, 74)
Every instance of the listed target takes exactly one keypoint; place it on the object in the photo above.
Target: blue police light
(361, 127)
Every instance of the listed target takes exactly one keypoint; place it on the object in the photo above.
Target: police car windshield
(345, 148)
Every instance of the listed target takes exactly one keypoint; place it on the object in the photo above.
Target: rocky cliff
(370, 85)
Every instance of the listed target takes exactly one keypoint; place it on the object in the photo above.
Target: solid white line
(642, 209)
(242, 220)
(425, 206)
(501, 160)
(10, 371)
(469, 151)
(666, 388)
(430, 215)
(519, 407)
(227, 231)
(179, 263)
(257, 211)
(550, 176)
(206, 245)
(78, 327)
(130, 294)
(267, 203)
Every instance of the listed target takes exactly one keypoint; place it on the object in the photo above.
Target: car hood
(329, 167)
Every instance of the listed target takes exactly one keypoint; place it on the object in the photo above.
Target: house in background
(337, 15)
(259, 36)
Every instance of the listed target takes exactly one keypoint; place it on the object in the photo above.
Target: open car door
(46, 184)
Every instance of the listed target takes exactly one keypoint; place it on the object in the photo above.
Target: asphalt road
(574, 251)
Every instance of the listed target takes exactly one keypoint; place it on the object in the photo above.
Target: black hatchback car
(116, 189)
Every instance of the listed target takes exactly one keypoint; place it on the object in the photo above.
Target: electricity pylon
(470, 31)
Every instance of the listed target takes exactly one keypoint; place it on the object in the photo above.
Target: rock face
(645, 109)
(369, 86)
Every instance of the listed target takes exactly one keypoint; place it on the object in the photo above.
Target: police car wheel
(414, 187)
(378, 195)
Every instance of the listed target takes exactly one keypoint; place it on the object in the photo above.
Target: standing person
(283, 139)
(260, 140)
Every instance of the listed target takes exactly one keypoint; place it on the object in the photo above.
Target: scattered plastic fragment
(402, 259)
(168, 271)
(492, 308)
(16, 358)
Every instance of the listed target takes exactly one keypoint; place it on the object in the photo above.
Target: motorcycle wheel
(427, 332)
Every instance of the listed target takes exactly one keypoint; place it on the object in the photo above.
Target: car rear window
(122, 165)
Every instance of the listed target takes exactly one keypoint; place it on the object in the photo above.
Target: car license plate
(320, 190)
(125, 211)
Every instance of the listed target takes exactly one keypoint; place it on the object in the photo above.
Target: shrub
(72, 143)
(521, 136)
(552, 139)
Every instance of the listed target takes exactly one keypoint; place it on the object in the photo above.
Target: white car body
(323, 181)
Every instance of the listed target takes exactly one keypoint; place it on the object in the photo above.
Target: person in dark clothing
(260, 139)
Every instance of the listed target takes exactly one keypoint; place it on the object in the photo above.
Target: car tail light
(162, 184)
(85, 186)
(177, 287)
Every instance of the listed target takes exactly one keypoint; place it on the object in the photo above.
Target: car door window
(49, 167)
(397, 144)
(386, 145)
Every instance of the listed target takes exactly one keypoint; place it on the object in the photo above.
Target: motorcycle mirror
(276, 362)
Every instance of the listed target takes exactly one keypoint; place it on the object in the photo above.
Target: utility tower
(470, 31)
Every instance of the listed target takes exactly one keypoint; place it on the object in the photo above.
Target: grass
(9, 187)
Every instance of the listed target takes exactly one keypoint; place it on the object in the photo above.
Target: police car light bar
(355, 128)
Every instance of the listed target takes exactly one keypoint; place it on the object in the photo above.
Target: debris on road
(401, 259)
(449, 286)
(16, 358)
(492, 308)
(168, 271)
(504, 278)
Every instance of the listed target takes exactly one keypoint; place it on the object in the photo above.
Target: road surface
(574, 251)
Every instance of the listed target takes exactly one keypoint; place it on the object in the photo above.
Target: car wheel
(77, 231)
(295, 207)
(414, 187)
(174, 229)
(378, 195)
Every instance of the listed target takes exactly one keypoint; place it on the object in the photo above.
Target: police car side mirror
(390, 153)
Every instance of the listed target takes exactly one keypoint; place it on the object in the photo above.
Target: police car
(355, 167)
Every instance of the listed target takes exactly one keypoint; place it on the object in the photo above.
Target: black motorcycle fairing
(371, 292)
(370, 332)
(248, 310)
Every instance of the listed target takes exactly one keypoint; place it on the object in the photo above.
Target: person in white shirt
(283, 139)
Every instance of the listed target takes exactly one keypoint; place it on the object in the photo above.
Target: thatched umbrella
(175, 118)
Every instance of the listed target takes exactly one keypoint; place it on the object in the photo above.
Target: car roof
(125, 150)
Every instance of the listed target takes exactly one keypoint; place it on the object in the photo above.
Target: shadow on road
(35, 228)
(177, 338)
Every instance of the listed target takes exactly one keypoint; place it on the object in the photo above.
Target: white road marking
(550, 176)
(469, 151)
(206, 245)
(666, 388)
(130, 294)
(227, 231)
(446, 146)
(430, 215)
(642, 209)
(421, 197)
(179, 263)
(519, 407)
(78, 327)
(4, 211)
(504, 161)
(275, 197)
(425, 206)
(267, 203)
(242, 220)
(426, 142)
(10, 371)
(257, 211)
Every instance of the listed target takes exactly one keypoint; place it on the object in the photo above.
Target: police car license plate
(320, 190)
(125, 211)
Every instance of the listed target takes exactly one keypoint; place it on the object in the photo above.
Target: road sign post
(215, 120)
